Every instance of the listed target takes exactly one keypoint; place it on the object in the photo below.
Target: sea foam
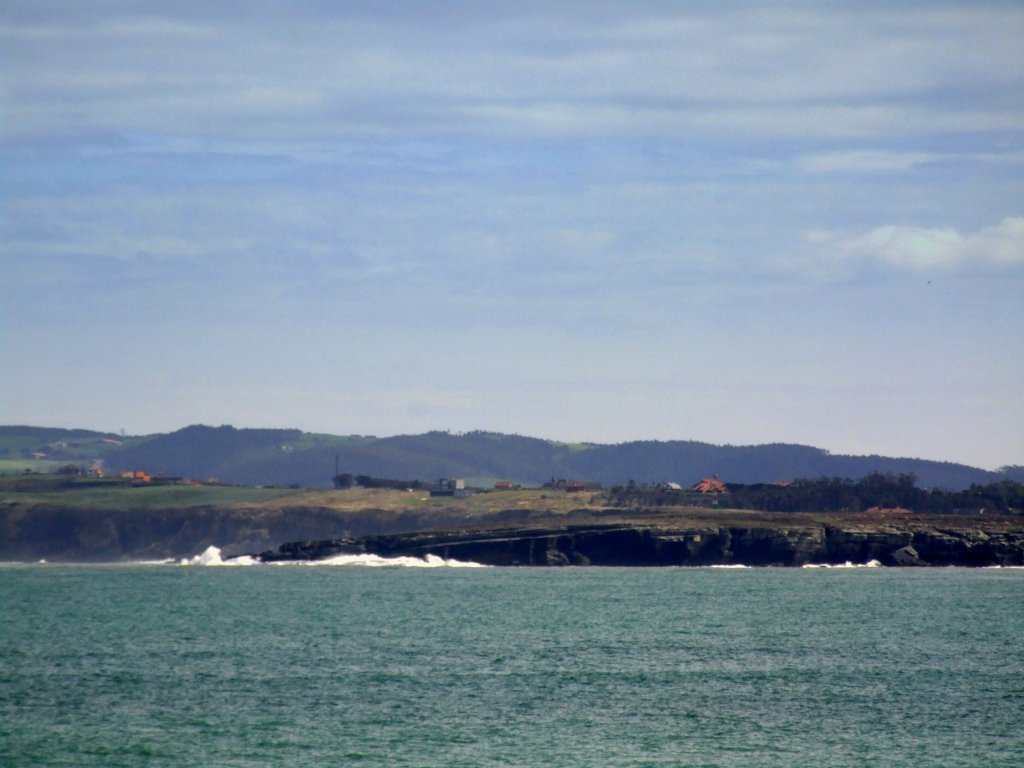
(847, 564)
(213, 556)
(730, 566)
(376, 561)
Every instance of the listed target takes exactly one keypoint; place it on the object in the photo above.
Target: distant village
(130, 477)
(876, 492)
(708, 487)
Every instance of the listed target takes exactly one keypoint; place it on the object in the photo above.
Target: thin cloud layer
(866, 161)
(633, 69)
(618, 220)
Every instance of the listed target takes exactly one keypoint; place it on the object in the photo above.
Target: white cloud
(865, 161)
(1000, 244)
(623, 71)
(893, 161)
(944, 248)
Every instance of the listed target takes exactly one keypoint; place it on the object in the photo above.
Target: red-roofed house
(709, 485)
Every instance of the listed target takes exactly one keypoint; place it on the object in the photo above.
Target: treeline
(835, 494)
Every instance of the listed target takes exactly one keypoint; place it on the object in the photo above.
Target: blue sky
(738, 223)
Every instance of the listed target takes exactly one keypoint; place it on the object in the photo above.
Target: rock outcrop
(659, 545)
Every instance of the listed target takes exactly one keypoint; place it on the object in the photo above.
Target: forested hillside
(288, 456)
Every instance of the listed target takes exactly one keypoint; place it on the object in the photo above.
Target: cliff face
(38, 531)
(634, 545)
(30, 532)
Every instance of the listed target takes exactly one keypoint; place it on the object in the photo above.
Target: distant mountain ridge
(290, 456)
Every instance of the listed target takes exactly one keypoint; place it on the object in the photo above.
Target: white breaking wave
(847, 564)
(213, 556)
(729, 566)
(376, 561)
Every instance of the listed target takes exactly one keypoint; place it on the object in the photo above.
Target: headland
(41, 519)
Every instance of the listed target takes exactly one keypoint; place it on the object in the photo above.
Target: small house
(709, 485)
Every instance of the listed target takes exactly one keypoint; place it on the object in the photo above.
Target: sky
(739, 223)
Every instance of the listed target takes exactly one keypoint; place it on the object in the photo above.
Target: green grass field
(86, 493)
(81, 493)
(62, 491)
(20, 466)
(59, 446)
(310, 440)
(537, 507)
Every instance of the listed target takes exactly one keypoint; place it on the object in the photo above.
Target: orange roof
(710, 485)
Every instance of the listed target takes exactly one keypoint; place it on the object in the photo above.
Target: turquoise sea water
(332, 666)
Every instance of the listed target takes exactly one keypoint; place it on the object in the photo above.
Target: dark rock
(32, 531)
(651, 545)
(906, 556)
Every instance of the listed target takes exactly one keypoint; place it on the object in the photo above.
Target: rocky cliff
(30, 532)
(521, 536)
(909, 544)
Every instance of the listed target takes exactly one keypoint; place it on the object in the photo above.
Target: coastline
(526, 528)
(660, 545)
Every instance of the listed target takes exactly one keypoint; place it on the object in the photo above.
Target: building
(449, 486)
(709, 485)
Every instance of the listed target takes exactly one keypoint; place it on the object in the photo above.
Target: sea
(366, 662)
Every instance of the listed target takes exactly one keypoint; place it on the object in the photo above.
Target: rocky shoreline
(607, 544)
(527, 530)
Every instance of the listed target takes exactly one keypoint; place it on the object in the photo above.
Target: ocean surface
(185, 665)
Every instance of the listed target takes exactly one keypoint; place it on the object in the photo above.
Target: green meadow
(83, 493)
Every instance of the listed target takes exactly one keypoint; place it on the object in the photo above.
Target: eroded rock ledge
(660, 545)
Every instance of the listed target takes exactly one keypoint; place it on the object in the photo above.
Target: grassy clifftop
(85, 493)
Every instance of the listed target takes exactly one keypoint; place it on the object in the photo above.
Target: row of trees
(836, 494)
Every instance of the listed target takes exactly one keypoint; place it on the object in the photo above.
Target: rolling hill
(290, 456)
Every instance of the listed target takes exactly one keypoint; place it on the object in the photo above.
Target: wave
(730, 566)
(213, 556)
(847, 564)
(376, 561)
